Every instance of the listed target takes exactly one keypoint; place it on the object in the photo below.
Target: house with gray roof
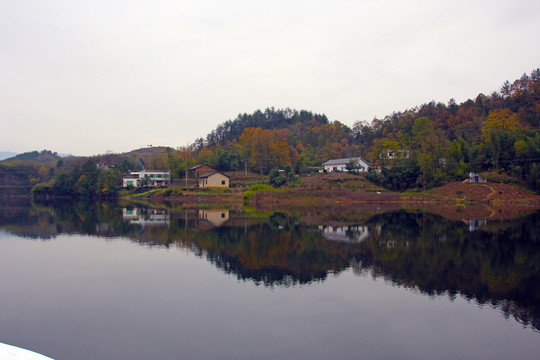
(361, 165)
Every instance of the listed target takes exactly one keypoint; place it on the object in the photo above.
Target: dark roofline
(201, 165)
(205, 175)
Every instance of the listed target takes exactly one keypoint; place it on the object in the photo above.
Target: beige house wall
(214, 180)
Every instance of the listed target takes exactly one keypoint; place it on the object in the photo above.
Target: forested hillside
(419, 147)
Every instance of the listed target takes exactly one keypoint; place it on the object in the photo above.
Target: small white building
(152, 178)
(361, 165)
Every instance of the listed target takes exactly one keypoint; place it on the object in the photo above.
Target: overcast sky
(85, 77)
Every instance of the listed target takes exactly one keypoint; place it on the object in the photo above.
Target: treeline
(86, 181)
(307, 140)
(271, 118)
(497, 132)
(420, 147)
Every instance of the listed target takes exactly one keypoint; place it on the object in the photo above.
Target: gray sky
(85, 77)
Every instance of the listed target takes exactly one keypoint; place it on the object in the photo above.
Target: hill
(424, 146)
(44, 156)
(270, 119)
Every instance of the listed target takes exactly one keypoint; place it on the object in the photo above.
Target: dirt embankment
(487, 193)
(187, 197)
(338, 181)
(343, 189)
(346, 189)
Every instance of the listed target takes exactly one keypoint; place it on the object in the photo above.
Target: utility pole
(186, 156)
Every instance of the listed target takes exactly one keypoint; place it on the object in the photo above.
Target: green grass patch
(412, 193)
(255, 189)
(149, 192)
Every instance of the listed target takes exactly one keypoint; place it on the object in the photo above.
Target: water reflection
(211, 218)
(475, 224)
(347, 234)
(146, 217)
(497, 264)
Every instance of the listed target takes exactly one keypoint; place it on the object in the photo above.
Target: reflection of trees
(500, 267)
(440, 257)
(274, 251)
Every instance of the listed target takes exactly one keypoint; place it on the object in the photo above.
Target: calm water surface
(110, 281)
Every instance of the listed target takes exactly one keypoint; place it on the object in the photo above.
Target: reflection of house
(129, 214)
(214, 179)
(341, 164)
(145, 216)
(475, 224)
(202, 169)
(147, 178)
(212, 218)
(345, 233)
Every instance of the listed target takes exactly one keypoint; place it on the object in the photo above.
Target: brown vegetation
(488, 193)
(338, 181)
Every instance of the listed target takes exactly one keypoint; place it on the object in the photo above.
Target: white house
(361, 165)
(153, 178)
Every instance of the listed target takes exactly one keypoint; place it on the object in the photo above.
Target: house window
(129, 183)
(222, 182)
(223, 215)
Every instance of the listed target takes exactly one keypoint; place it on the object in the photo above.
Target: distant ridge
(6, 155)
(37, 156)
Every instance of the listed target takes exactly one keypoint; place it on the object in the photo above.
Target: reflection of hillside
(480, 212)
(425, 252)
(408, 248)
(274, 252)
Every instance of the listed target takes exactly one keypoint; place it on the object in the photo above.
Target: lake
(127, 281)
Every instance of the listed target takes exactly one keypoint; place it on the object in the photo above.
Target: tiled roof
(205, 175)
(343, 161)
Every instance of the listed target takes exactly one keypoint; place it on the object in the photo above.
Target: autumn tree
(108, 183)
(431, 146)
(498, 133)
(500, 119)
(265, 148)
